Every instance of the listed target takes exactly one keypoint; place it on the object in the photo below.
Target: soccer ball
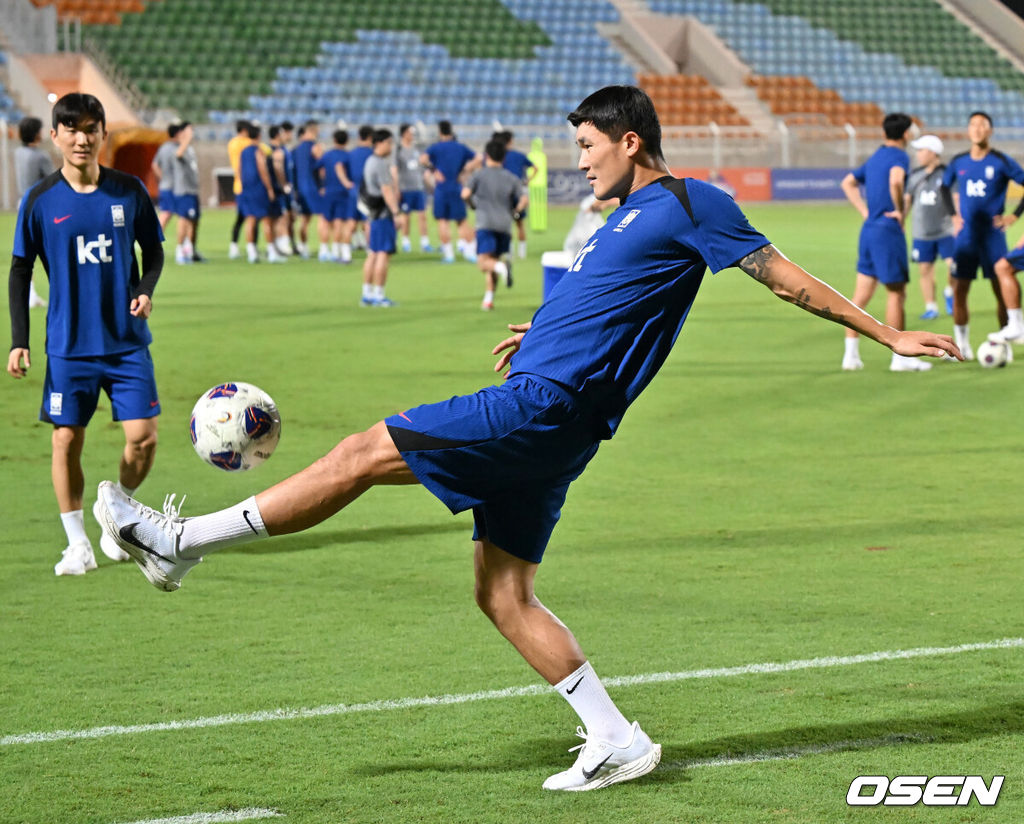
(235, 426)
(994, 353)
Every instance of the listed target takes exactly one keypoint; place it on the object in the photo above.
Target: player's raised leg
(167, 546)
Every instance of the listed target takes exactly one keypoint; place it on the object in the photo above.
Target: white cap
(928, 141)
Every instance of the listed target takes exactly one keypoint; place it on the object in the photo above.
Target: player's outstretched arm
(791, 283)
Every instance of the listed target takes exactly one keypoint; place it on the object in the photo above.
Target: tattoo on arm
(756, 263)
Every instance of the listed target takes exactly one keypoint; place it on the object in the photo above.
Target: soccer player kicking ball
(511, 451)
(82, 222)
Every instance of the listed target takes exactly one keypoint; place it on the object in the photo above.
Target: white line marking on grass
(224, 816)
(789, 753)
(285, 713)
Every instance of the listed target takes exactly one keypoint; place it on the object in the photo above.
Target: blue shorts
(975, 248)
(254, 203)
(882, 252)
(413, 202)
(448, 204)
(311, 200)
(491, 243)
(352, 206)
(72, 388)
(928, 251)
(1016, 258)
(335, 206)
(165, 200)
(509, 452)
(382, 235)
(187, 206)
(299, 204)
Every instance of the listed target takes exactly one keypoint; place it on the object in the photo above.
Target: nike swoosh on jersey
(61, 219)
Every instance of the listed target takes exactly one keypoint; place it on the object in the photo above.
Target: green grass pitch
(758, 505)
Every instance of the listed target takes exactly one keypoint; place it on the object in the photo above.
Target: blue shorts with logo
(72, 387)
(491, 243)
(382, 235)
(187, 206)
(1016, 258)
(882, 252)
(413, 201)
(928, 251)
(508, 452)
(448, 203)
(978, 247)
(165, 200)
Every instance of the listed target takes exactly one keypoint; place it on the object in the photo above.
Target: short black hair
(980, 113)
(253, 131)
(287, 126)
(444, 127)
(403, 128)
(615, 110)
(75, 107)
(365, 131)
(340, 136)
(242, 126)
(496, 149)
(895, 125)
(380, 135)
(29, 129)
(505, 136)
(273, 132)
(173, 129)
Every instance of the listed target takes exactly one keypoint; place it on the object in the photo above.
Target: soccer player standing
(379, 193)
(931, 226)
(449, 158)
(978, 179)
(411, 188)
(882, 249)
(497, 195)
(308, 199)
(186, 195)
(31, 164)
(522, 167)
(83, 222)
(509, 452)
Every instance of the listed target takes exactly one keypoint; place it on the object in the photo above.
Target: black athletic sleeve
(152, 266)
(947, 199)
(1020, 208)
(17, 293)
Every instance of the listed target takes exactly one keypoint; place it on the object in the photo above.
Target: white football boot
(1008, 334)
(601, 763)
(108, 544)
(151, 538)
(77, 559)
(901, 363)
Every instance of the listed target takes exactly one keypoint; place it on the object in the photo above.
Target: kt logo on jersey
(95, 251)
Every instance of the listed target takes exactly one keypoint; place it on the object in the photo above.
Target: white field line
(790, 753)
(285, 713)
(223, 817)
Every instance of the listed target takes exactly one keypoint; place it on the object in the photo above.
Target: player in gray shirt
(185, 187)
(411, 187)
(378, 199)
(31, 164)
(931, 226)
(163, 170)
(498, 197)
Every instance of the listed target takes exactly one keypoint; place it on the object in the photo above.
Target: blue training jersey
(305, 166)
(612, 319)
(450, 157)
(248, 167)
(874, 177)
(982, 185)
(357, 158)
(330, 159)
(86, 243)
(517, 163)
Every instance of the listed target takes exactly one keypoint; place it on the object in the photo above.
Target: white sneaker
(851, 363)
(77, 559)
(600, 763)
(966, 351)
(108, 544)
(151, 538)
(1008, 334)
(274, 255)
(903, 364)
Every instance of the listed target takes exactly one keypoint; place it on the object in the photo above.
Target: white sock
(489, 296)
(252, 251)
(469, 248)
(368, 291)
(345, 252)
(587, 696)
(852, 347)
(424, 242)
(74, 526)
(1015, 317)
(522, 248)
(961, 334)
(931, 307)
(446, 250)
(947, 292)
(237, 524)
(377, 292)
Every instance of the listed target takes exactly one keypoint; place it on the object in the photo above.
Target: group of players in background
(958, 216)
(363, 193)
